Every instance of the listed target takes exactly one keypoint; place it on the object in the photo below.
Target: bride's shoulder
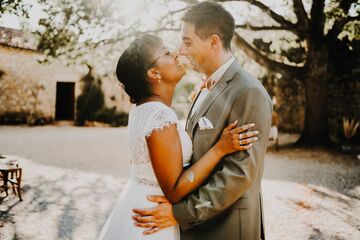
(156, 116)
(154, 110)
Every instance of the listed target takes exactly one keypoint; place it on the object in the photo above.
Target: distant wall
(343, 97)
(28, 86)
(344, 93)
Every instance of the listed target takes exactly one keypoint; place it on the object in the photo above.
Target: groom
(228, 205)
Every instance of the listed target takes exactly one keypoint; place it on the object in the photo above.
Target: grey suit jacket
(228, 205)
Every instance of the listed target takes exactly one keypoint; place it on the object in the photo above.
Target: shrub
(19, 118)
(112, 117)
(91, 99)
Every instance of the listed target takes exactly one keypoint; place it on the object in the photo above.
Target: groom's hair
(211, 18)
(133, 64)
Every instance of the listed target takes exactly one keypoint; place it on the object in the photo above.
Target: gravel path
(72, 177)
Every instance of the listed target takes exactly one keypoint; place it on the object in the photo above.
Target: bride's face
(167, 66)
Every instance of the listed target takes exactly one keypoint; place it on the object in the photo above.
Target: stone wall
(343, 97)
(288, 102)
(344, 94)
(28, 86)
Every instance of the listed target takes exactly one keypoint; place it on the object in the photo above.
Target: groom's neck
(217, 61)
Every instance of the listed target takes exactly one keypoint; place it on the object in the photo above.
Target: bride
(159, 145)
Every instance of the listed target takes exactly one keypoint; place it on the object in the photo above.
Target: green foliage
(17, 7)
(73, 29)
(14, 118)
(351, 31)
(90, 105)
(349, 21)
(112, 117)
(90, 101)
(20, 118)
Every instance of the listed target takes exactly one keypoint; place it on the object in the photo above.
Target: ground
(73, 176)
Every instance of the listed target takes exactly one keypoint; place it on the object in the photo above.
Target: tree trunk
(315, 130)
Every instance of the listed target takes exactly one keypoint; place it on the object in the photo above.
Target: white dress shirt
(216, 76)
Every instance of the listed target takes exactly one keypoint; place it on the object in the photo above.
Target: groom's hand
(156, 218)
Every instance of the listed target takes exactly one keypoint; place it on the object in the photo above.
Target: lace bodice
(143, 121)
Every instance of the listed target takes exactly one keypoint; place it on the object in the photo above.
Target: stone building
(48, 90)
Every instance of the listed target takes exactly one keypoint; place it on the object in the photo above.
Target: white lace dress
(143, 121)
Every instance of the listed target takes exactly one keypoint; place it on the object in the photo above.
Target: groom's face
(194, 48)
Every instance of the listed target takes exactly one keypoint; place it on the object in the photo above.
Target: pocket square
(205, 123)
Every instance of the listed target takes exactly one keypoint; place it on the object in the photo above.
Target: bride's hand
(156, 218)
(235, 139)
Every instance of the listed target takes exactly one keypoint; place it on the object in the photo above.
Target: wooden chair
(11, 174)
(15, 180)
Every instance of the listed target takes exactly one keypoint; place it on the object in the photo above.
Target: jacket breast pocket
(206, 131)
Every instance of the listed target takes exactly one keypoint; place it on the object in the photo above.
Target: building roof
(15, 38)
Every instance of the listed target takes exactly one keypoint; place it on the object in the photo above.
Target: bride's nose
(175, 54)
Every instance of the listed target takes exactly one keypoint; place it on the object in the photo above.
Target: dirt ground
(73, 176)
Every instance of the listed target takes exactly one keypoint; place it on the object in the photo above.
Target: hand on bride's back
(235, 139)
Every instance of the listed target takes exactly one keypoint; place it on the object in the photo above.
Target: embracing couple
(204, 181)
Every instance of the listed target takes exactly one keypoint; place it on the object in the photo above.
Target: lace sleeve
(161, 119)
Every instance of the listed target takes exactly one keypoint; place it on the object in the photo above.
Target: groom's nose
(182, 49)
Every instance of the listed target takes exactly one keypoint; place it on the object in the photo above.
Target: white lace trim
(161, 119)
(164, 125)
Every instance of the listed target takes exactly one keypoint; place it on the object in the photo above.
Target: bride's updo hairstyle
(133, 64)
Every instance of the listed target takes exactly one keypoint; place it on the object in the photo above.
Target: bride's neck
(162, 93)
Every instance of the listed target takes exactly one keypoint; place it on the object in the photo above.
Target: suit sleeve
(239, 170)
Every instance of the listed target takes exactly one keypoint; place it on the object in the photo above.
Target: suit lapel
(212, 96)
(189, 113)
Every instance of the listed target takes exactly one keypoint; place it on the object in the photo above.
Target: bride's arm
(166, 158)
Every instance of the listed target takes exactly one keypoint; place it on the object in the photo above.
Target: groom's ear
(215, 41)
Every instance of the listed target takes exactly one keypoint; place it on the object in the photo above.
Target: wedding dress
(143, 121)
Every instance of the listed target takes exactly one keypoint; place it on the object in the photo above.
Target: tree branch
(341, 22)
(317, 22)
(345, 5)
(300, 11)
(339, 26)
(277, 17)
(136, 34)
(162, 29)
(189, 1)
(260, 28)
(177, 11)
(303, 20)
(263, 60)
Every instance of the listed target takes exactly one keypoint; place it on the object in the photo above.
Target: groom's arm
(239, 169)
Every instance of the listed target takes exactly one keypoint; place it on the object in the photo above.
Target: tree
(312, 67)
(17, 7)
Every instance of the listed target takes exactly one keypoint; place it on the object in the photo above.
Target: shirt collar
(217, 75)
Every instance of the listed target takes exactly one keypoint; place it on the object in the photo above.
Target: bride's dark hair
(133, 64)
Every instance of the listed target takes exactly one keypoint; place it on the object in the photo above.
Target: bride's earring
(159, 78)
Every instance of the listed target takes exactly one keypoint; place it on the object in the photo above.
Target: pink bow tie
(207, 83)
